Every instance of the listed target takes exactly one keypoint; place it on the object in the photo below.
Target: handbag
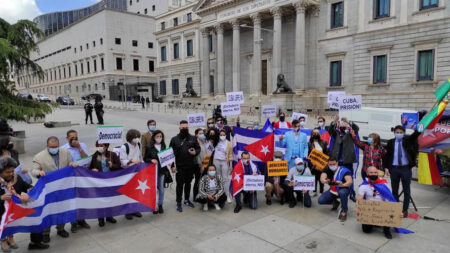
(167, 177)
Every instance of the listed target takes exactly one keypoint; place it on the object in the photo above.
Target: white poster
(109, 134)
(197, 119)
(303, 182)
(268, 111)
(254, 183)
(333, 94)
(230, 108)
(350, 103)
(297, 116)
(235, 97)
(166, 157)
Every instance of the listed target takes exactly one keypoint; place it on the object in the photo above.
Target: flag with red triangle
(262, 149)
(142, 187)
(13, 212)
(237, 179)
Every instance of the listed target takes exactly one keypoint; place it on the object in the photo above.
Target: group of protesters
(211, 179)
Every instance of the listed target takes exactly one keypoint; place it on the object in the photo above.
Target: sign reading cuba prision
(350, 103)
(109, 134)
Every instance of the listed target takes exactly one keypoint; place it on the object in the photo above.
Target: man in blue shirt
(296, 144)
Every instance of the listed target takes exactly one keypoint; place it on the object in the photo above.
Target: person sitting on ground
(340, 180)
(249, 169)
(211, 190)
(289, 184)
(273, 185)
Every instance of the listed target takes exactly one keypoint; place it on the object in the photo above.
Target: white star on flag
(142, 186)
(428, 132)
(237, 177)
(265, 149)
(10, 219)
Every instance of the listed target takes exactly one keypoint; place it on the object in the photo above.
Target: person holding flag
(296, 144)
(244, 167)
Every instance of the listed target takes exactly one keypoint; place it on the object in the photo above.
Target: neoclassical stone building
(393, 52)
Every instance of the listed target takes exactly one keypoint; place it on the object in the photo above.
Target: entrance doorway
(264, 77)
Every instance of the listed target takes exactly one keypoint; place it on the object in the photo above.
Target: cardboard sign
(268, 111)
(235, 97)
(350, 103)
(410, 120)
(332, 95)
(319, 159)
(254, 183)
(277, 168)
(230, 108)
(197, 119)
(304, 182)
(166, 157)
(109, 134)
(206, 161)
(84, 162)
(297, 116)
(379, 213)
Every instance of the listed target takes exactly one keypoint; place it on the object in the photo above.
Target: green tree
(17, 41)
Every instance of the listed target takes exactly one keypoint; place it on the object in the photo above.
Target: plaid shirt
(372, 156)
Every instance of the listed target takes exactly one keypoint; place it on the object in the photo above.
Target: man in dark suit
(321, 124)
(400, 158)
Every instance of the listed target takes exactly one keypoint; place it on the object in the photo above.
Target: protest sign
(410, 120)
(109, 134)
(254, 183)
(332, 95)
(297, 116)
(230, 108)
(166, 157)
(206, 161)
(319, 159)
(269, 111)
(335, 102)
(277, 168)
(304, 182)
(379, 213)
(85, 162)
(235, 97)
(350, 103)
(197, 119)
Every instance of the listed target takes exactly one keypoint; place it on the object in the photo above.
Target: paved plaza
(272, 228)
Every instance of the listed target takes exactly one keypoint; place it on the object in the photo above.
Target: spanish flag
(429, 169)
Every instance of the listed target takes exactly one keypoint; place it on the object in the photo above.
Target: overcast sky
(13, 10)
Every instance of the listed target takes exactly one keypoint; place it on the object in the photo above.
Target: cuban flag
(71, 194)
(268, 128)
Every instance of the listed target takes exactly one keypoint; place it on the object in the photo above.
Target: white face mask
(321, 124)
(302, 123)
(223, 137)
(158, 140)
(100, 149)
(136, 140)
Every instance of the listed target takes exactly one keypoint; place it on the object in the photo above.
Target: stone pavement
(268, 229)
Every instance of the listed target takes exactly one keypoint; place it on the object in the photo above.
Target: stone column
(300, 47)
(220, 61)
(276, 50)
(256, 87)
(205, 63)
(236, 56)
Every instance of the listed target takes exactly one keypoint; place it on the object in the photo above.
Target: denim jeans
(160, 190)
(327, 198)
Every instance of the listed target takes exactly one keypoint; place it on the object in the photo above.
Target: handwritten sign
(332, 95)
(319, 159)
(166, 157)
(277, 168)
(297, 116)
(350, 103)
(304, 182)
(379, 213)
(230, 108)
(109, 134)
(235, 97)
(269, 111)
(197, 119)
(254, 183)
(206, 161)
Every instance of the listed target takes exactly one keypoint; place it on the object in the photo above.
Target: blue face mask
(202, 137)
(369, 140)
(300, 167)
(152, 128)
(399, 136)
(53, 151)
(212, 173)
(256, 128)
(333, 168)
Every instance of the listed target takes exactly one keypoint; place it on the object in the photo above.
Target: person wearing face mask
(212, 190)
(296, 144)
(340, 180)
(376, 189)
(210, 124)
(302, 121)
(273, 185)
(104, 160)
(220, 125)
(185, 147)
(199, 169)
(321, 124)
(249, 168)
(288, 185)
(7, 150)
(223, 159)
(212, 138)
(146, 138)
(157, 144)
(50, 159)
(130, 153)
(373, 152)
(282, 123)
(315, 142)
(400, 157)
(343, 146)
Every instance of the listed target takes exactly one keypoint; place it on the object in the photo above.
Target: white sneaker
(217, 207)
(229, 199)
(205, 208)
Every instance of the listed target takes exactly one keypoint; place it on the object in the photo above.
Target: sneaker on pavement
(179, 207)
(343, 216)
(189, 203)
(205, 207)
(217, 207)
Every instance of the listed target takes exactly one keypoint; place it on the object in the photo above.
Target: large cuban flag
(71, 194)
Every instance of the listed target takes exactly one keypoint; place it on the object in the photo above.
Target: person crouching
(211, 190)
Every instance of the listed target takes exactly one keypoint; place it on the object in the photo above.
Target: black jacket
(322, 143)
(348, 146)
(411, 147)
(152, 153)
(88, 107)
(181, 150)
(97, 161)
(98, 107)
(20, 186)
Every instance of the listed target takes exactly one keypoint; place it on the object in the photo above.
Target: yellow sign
(206, 161)
(319, 159)
(379, 213)
(277, 168)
